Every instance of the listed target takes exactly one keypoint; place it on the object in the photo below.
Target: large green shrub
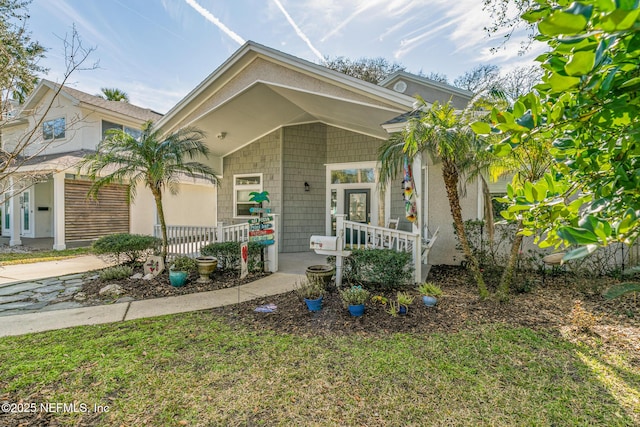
(228, 255)
(132, 246)
(380, 268)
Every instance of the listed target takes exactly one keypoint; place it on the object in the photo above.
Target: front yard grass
(194, 369)
(38, 256)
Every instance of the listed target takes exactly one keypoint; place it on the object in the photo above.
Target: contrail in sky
(298, 31)
(215, 21)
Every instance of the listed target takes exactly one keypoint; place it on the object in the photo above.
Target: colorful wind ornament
(409, 186)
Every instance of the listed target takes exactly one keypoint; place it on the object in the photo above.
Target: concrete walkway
(292, 270)
(39, 270)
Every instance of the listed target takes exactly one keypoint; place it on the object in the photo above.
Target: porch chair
(386, 242)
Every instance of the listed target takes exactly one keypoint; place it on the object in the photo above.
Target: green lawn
(38, 256)
(193, 369)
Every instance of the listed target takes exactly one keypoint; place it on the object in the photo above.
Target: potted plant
(180, 269)
(404, 301)
(354, 299)
(430, 293)
(312, 292)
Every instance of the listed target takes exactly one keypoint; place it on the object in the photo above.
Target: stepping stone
(51, 282)
(13, 298)
(45, 297)
(70, 291)
(72, 276)
(22, 305)
(49, 289)
(73, 282)
(19, 287)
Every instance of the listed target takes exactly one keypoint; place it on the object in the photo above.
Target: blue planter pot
(429, 301)
(314, 304)
(356, 310)
(177, 278)
(402, 310)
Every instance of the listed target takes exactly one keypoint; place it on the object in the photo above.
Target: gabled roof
(426, 82)
(78, 97)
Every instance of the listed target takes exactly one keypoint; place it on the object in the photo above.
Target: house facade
(310, 137)
(45, 194)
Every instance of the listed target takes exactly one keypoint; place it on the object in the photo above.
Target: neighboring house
(310, 137)
(46, 196)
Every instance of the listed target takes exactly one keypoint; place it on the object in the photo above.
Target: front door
(357, 205)
(26, 212)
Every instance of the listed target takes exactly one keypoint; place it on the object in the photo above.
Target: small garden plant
(430, 289)
(184, 263)
(310, 289)
(117, 272)
(355, 295)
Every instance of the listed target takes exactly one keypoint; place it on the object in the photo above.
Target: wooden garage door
(88, 219)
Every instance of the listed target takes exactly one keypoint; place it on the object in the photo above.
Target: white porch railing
(356, 235)
(189, 240)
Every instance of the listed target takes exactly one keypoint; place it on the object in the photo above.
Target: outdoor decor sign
(244, 260)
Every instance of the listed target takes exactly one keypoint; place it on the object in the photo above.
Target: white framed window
(106, 126)
(243, 186)
(53, 129)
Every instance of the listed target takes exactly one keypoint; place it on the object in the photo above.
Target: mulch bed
(547, 306)
(159, 286)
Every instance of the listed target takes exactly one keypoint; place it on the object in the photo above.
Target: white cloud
(298, 31)
(215, 21)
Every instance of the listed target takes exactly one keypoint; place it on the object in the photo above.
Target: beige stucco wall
(194, 204)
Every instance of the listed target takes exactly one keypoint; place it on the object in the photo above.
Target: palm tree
(445, 136)
(113, 94)
(155, 160)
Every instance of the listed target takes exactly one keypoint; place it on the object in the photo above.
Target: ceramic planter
(429, 301)
(321, 273)
(314, 304)
(356, 310)
(206, 266)
(402, 310)
(177, 278)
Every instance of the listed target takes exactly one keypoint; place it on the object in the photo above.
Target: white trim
(289, 61)
(340, 189)
(256, 187)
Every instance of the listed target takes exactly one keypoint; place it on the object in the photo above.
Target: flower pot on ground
(404, 301)
(206, 266)
(312, 292)
(430, 293)
(180, 269)
(354, 299)
(321, 272)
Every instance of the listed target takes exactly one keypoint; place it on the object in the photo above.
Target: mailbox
(325, 243)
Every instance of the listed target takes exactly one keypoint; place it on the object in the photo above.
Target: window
(353, 176)
(243, 185)
(53, 129)
(107, 126)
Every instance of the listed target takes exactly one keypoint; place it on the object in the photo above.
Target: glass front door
(357, 205)
(26, 212)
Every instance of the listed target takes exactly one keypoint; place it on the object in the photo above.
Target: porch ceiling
(264, 107)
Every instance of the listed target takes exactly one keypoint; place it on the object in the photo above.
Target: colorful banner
(244, 260)
(410, 205)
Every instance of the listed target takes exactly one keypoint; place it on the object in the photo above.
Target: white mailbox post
(332, 246)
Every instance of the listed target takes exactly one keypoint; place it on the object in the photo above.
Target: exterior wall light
(307, 187)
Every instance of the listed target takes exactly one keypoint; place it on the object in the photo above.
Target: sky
(157, 51)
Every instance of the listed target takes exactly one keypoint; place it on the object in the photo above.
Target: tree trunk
(507, 274)
(157, 195)
(450, 177)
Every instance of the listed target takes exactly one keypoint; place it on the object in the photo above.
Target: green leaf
(580, 252)
(621, 289)
(526, 120)
(562, 23)
(577, 236)
(619, 20)
(481, 128)
(580, 63)
(561, 83)
(501, 149)
(631, 82)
